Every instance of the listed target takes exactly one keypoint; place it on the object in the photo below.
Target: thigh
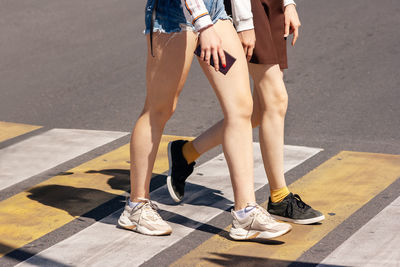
(166, 72)
(232, 89)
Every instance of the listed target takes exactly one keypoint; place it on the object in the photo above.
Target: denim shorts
(170, 17)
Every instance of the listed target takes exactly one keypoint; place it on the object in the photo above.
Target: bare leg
(233, 92)
(165, 76)
(269, 109)
(273, 100)
(213, 136)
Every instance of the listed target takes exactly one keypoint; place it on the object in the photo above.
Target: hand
(292, 22)
(248, 39)
(211, 45)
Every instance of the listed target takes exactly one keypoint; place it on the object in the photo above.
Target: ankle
(189, 152)
(243, 213)
(277, 195)
(137, 199)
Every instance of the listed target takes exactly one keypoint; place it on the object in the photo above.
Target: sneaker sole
(169, 179)
(142, 229)
(248, 235)
(297, 221)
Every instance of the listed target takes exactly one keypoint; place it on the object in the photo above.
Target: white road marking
(208, 193)
(374, 244)
(47, 150)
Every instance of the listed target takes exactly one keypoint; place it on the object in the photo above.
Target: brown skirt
(269, 26)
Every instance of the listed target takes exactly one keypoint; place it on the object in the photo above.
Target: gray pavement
(74, 64)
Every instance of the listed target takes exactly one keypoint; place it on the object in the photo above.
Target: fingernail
(224, 65)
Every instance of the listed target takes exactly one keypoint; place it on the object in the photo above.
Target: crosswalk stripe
(208, 194)
(53, 203)
(374, 244)
(10, 130)
(49, 149)
(338, 188)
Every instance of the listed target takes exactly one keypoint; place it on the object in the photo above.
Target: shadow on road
(224, 259)
(18, 255)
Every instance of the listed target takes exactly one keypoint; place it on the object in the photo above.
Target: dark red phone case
(229, 61)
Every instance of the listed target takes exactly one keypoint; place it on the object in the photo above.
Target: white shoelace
(264, 216)
(150, 209)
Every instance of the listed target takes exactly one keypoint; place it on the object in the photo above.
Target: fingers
(248, 49)
(248, 40)
(222, 57)
(287, 28)
(207, 56)
(249, 53)
(292, 23)
(295, 35)
(217, 55)
(215, 59)
(202, 54)
(211, 48)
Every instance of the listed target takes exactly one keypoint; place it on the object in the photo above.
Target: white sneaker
(144, 219)
(259, 224)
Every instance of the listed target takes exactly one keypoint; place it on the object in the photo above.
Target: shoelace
(265, 217)
(299, 203)
(151, 209)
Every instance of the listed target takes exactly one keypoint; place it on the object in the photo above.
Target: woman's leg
(270, 90)
(269, 110)
(273, 99)
(212, 137)
(165, 76)
(233, 92)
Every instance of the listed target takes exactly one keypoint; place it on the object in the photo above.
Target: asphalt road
(77, 64)
(81, 64)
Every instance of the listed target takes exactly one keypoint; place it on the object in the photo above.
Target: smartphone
(229, 61)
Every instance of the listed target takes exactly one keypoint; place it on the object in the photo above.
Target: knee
(159, 114)
(241, 111)
(278, 103)
(276, 97)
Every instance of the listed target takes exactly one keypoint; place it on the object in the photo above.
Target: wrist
(205, 28)
(202, 23)
(290, 6)
(244, 25)
(288, 2)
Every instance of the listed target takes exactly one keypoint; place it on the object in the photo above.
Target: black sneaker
(293, 209)
(179, 170)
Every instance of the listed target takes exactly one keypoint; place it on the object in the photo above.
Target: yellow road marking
(53, 203)
(340, 186)
(10, 130)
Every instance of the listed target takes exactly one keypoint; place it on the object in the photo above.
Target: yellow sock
(189, 152)
(278, 195)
